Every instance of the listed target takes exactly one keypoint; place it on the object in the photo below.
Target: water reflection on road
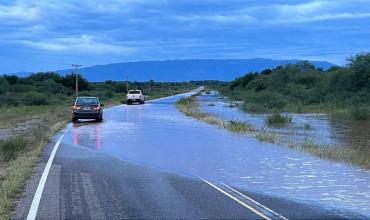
(156, 134)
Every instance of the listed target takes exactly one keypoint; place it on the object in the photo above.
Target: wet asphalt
(87, 183)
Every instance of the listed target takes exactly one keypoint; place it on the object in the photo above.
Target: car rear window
(134, 92)
(87, 101)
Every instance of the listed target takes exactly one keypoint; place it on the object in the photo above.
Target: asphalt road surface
(84, 182)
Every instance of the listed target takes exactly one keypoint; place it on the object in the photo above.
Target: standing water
(157, 134)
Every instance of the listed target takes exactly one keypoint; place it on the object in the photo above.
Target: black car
(87, 108)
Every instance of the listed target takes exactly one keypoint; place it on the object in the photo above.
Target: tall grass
(239, 126)
(21, 152)
(190, 107)
(11, 147)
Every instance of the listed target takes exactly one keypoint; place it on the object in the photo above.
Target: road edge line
(237, 200)
(40, 188)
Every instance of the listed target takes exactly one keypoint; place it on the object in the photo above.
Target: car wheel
(74, 119)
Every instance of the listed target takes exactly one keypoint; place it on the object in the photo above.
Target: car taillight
(76, 107)
(97, 108)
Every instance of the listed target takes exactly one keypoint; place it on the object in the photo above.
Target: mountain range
(181, 70)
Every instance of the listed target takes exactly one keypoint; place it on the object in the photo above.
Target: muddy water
(156, 134)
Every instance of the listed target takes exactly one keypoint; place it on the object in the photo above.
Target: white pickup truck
(135, 96)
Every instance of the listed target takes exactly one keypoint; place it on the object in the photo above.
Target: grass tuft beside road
(190, 107)
(9, 148)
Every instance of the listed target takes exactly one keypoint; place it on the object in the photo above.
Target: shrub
(10, 148)
(359, 113)
(239, 126)
(269, 100)
(278, 119)
(108, 94)
(35, 98)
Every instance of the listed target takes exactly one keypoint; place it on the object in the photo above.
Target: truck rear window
(134, 92)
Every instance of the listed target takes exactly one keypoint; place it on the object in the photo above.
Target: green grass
(20, 153)
(11, 147)
(277, 119)
(266, 137)
(239, 126)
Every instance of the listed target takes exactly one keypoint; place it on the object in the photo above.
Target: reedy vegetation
(190, 107)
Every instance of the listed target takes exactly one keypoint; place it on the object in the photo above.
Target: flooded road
(156, 134)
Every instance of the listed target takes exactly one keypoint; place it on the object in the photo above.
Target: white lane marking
(237, 200)
(255, 202)
(181, 94)
(40, 188)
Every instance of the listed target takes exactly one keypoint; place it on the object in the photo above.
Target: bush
(10, 148)
(35, 98)
(108, 94)
(278, 119)
(359, 113)
(240, 126)
(50, 86)
(269, 100)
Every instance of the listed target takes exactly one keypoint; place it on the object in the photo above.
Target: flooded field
(158, 135)
(317, 127)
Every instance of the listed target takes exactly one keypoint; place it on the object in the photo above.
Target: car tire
(74, 119)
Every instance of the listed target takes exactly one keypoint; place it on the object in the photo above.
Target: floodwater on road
(158, 135)
(316, 127)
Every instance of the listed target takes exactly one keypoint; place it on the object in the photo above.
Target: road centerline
(255, 202)
(237, 200)
(40, 188)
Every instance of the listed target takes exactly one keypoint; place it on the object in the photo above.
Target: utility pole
(126, 84)
(149, 87)
(76, 73)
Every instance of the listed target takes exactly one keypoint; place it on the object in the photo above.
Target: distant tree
(266, 71)
(42, 76)
(334, 69)
(12, 79)
(359, 67)
(69, 81)
(110, 82)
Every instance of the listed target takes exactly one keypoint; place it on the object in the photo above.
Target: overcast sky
(48, 35)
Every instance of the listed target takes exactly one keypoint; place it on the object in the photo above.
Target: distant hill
(182, 70)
